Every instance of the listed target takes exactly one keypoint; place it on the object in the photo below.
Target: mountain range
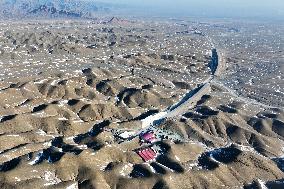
(51, 8)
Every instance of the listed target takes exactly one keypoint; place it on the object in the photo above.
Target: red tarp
(147, 154)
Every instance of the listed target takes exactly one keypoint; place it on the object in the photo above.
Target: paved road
(189, 100)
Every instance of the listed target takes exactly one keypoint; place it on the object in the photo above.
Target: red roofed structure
(147, 154)
(149, 137)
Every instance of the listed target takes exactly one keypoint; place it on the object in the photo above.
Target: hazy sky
(219, 8)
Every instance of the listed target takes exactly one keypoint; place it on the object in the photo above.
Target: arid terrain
(124, 103)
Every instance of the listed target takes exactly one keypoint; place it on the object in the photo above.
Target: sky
(211, 8)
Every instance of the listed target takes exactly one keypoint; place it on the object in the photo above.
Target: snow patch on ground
(73, 186)
(35, 161)
(262, 184)
(126, 170)
(150, 119)
(127, 134)
(50, 178)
